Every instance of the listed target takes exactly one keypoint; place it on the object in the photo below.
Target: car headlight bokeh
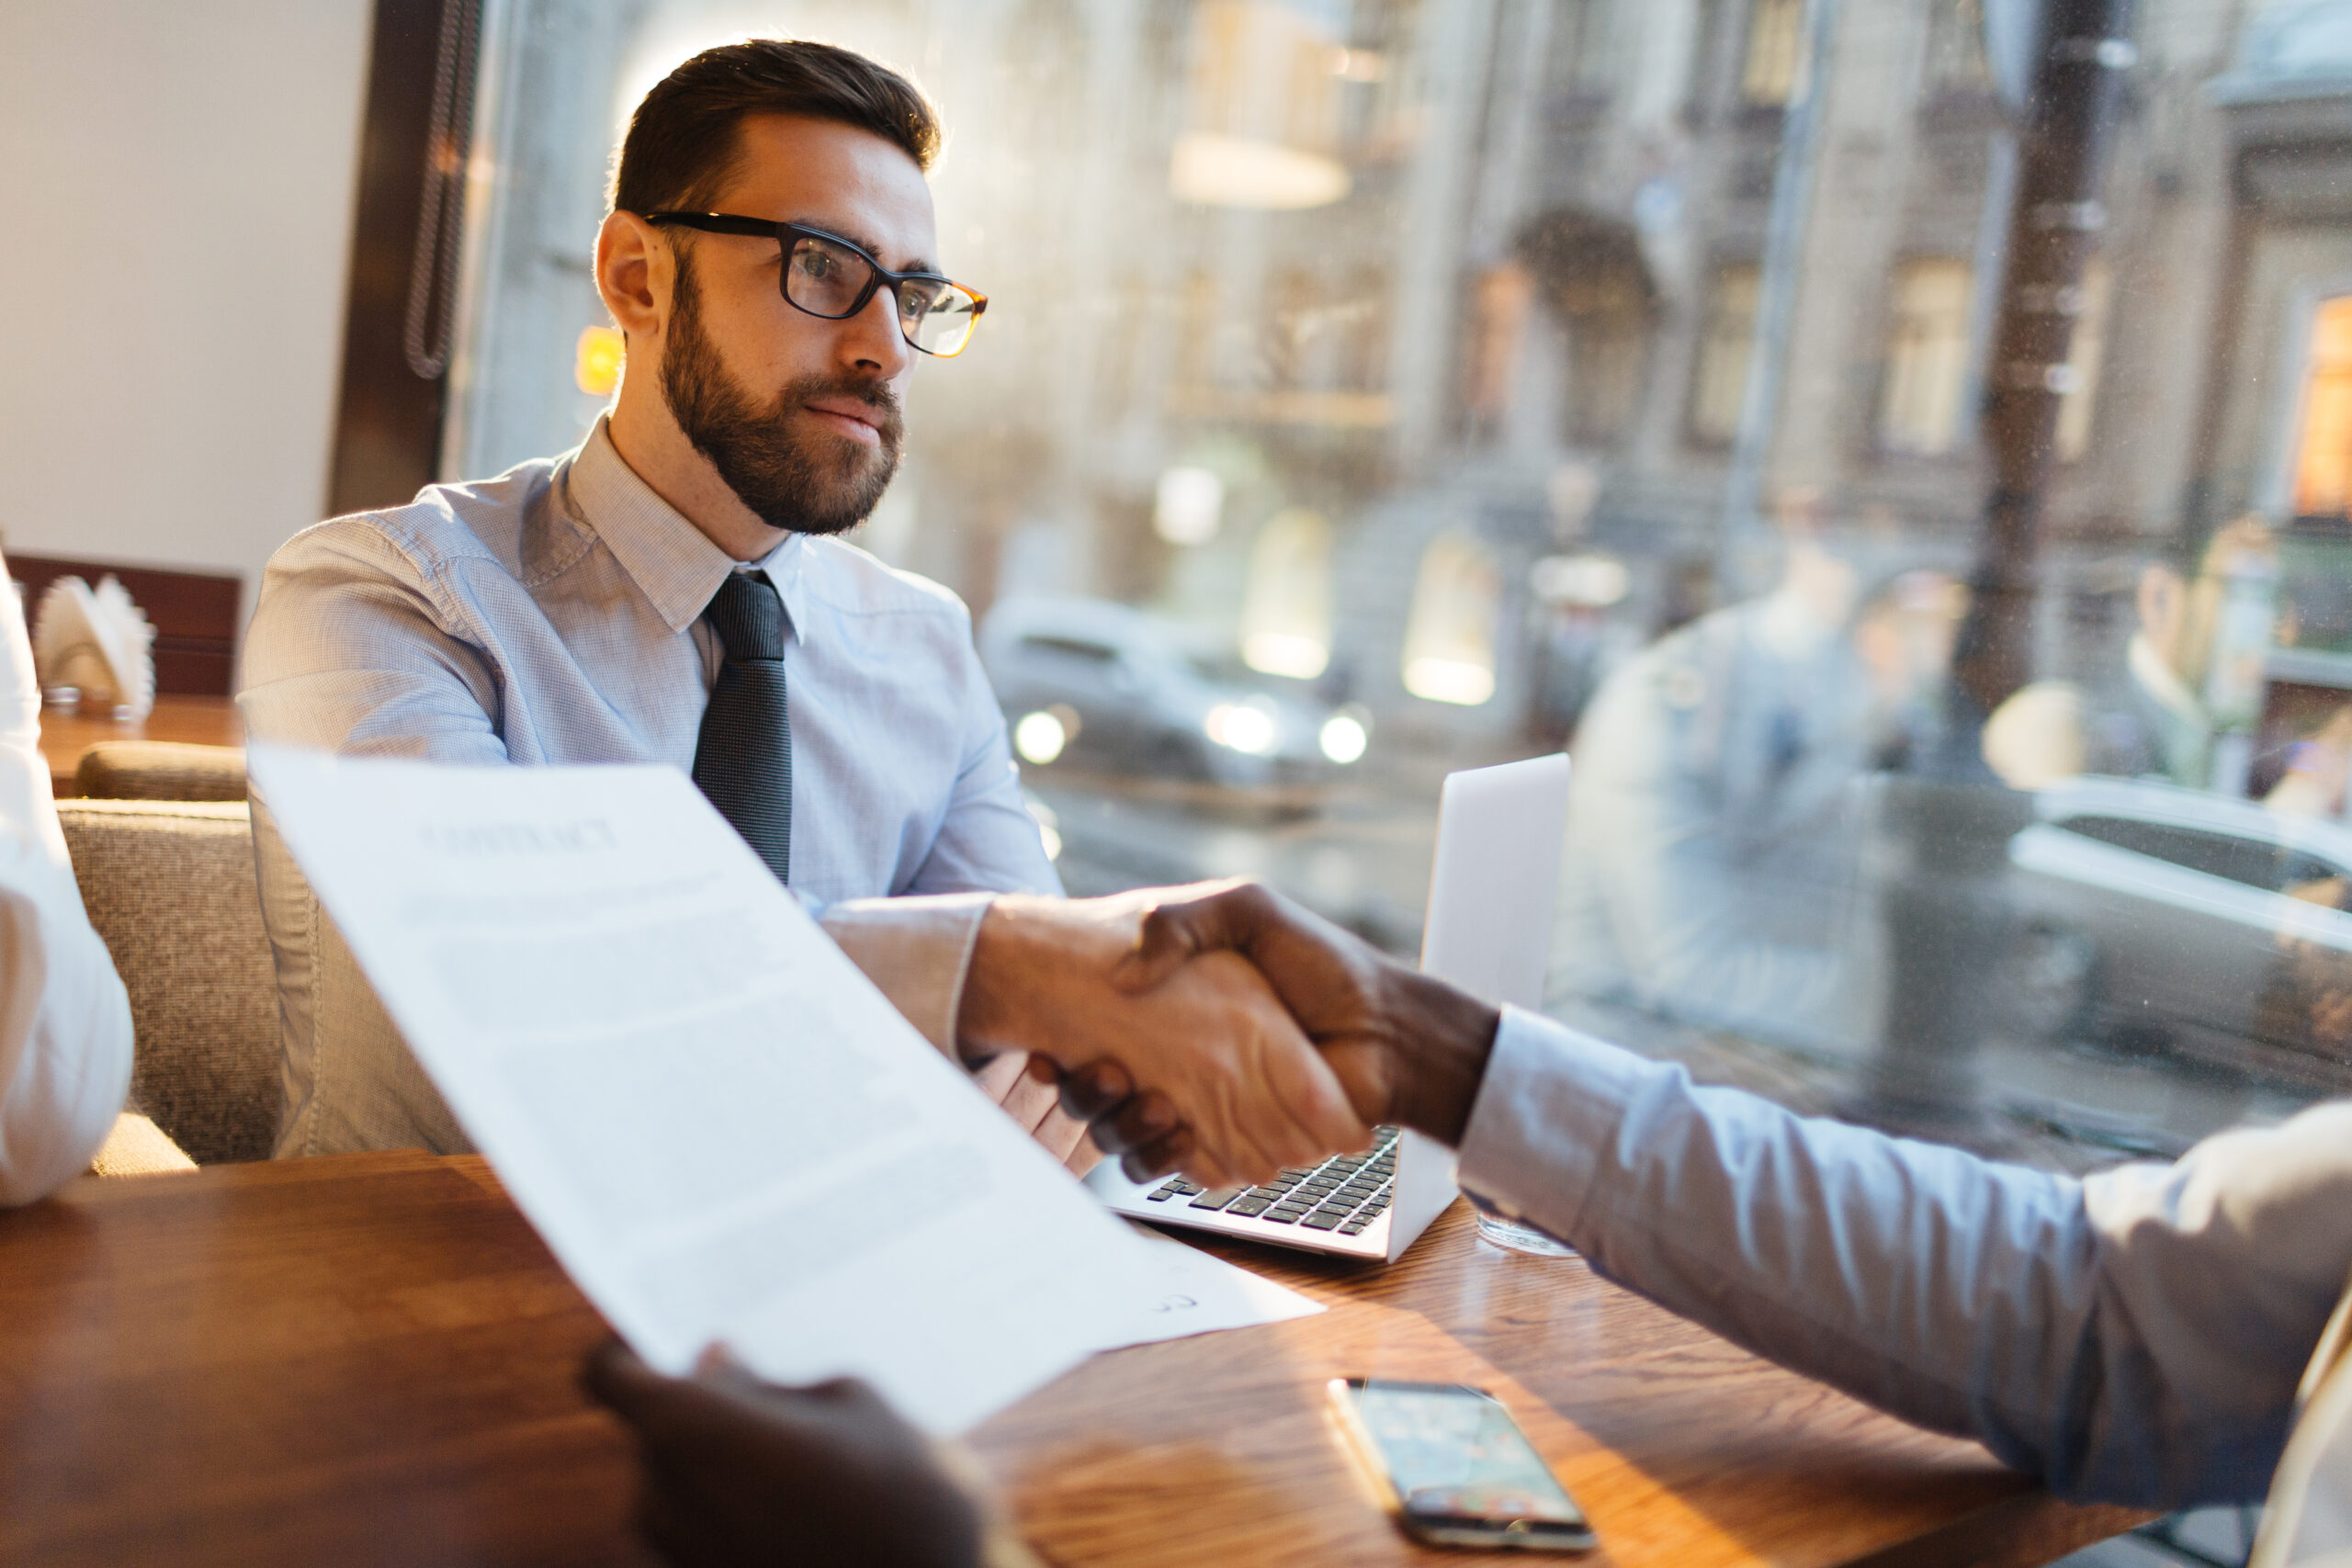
(1344, 738)
(1240, 727)
(1039, 738)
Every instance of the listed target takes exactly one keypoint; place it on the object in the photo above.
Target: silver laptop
(1489, 931)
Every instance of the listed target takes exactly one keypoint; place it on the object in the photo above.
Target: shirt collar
(673, 562)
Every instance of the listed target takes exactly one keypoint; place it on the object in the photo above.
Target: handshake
(1219, 1030)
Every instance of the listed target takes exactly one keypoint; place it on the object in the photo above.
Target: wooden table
(369, 1359)
(207, 721)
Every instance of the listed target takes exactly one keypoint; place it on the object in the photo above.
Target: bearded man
(673, 590)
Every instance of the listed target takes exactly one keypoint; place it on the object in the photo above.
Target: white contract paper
(1180, 1291)
(721, 1129)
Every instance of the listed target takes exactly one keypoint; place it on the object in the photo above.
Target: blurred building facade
(1402, 346)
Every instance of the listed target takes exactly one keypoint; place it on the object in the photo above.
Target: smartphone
(1455, 1468)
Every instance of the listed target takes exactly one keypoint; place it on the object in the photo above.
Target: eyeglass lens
(826, 279)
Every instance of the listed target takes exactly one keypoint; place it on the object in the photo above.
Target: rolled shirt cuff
(1540, 1132)
(917, 951)
(1002, 1548)
(1001, 1544)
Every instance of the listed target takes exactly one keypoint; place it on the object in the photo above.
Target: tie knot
(748, 614)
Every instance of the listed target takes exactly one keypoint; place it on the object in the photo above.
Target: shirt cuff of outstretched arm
(1006, 1549)
(1541, 1131)
(1001, 1544)
(917, 951)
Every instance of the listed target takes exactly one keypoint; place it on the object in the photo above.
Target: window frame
(1695, 433)
(1960, 442)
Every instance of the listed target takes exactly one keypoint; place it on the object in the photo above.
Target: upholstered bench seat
(160, 770)
(169, 884)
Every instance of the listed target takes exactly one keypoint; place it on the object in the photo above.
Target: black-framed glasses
(834, 279)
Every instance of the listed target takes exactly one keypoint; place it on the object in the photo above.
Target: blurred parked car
(1114, 688)
(2213, 928)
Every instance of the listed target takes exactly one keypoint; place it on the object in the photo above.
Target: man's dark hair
(683, 144)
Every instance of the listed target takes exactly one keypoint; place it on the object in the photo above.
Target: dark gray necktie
(743, 757)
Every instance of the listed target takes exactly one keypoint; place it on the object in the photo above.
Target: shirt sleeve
(988, 840)
(349, 651)
(64, 1020)
(916, 951)
(2134, 1338)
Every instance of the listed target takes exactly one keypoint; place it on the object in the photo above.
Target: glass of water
(1515, 1236)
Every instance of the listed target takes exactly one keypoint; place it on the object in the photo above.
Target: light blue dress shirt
(2135, 1337)
(553, 615)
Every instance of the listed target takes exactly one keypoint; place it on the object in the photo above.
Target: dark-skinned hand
(1407, 1048)
(740, 1472)
(1210, 1036)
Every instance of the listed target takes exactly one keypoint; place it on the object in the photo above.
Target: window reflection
(1286, 615)
(1368, 377)
(1926, 357)
(1956, 61)
(2323, 447)
(1711, 871)
(1197, 334)
(1262, 127)
(2083, 362)
(1362, 325)
(1450, 640)
(1118, 364)
(1768, 75)
(1500, 308)
(1719, 387)
(1593, 274)
(1582, 59)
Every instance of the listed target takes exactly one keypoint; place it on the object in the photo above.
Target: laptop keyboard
(1345, 1194)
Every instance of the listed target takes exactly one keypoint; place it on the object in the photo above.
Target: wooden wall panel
(194, 614)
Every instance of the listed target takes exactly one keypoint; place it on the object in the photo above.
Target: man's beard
(816, 483)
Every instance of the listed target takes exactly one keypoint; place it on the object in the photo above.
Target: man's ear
(635, 270)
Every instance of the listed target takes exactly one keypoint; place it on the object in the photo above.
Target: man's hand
(1408, 1048)
(1211, 1061)
(739, 1471)
(1060, 1127)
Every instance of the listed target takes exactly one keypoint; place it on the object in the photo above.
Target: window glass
(1286, 616)
(2251, 861)
(1719, 388)
(1775, 51)
(2323, 447)
(1926, 357)
(1450, 637)
(1071, 648)
(1581, 57)
(1501, 305)
(1705, 58)
(2080, 399)
(1599, 293)
(1956, 61)
(1366, 393)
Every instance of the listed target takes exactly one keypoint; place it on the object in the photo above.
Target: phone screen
(1460, 1467)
